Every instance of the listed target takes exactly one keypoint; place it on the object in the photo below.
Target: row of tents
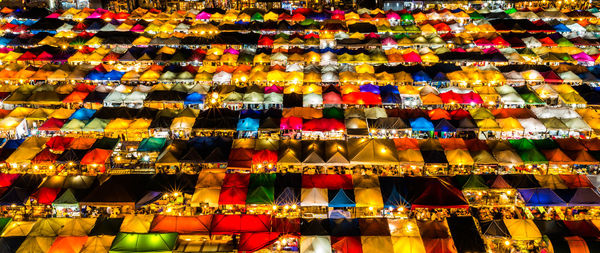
(94, 20)
(180, 234)
(539, 122)
(270, 70)
(512, 48)
(233, 15)
(323, 190)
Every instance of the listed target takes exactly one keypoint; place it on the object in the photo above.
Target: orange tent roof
(453, 143)
(439, 113)
(96, 156)
(68, 244)
(406, 143)
(556, 156)
(82, 143)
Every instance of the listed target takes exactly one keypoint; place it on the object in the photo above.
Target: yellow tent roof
(136, 223)
(459, 157)
(117, 124)
(408, 244)
(150, 75)
(510, 124)
(377, 244)
(20, 112)
(17, 228)
(9, 123)
(62, 113)
(368, 197)
(488, 124)
(142, 40)
(140, 124)
(182, 123)
(208, 196)
(522, 229)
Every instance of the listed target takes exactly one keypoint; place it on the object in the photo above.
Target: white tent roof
(532, 125)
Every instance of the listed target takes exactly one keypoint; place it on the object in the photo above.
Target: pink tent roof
(53, 15)
(203, 15)
(582, 57)
(412, 57)
(232, 51)
(290, 123)
(332, 98)
(273, 88)
(137, 28)
(388, 41)
(392, 15)
(472, 97)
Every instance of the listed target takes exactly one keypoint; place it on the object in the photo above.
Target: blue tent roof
(4, 41)
(341, 198)
(389, 89)
(580, 196)
(370, 88)
(13, 144)
(541, 197)
(95, 75)
(344, 227)
(421, 124)
(248, 124)
(194, 99)
(113, 75)
(395, 200)
(440, 77)
(421, 76)
(562, 28)
(444, 125)
(83, 114)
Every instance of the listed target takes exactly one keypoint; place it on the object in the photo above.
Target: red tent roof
(45, 157)
(52, 124)
(243, 223)
(240, 158)
(96, 156)
(328, 181)
(234, 189)
(323, 125)
(264, 156)
(46, 195)
(181, 224)
(250, 242)
(6, 180)
(346, 244)
(27, 56)
(362, 98)
(59, 143)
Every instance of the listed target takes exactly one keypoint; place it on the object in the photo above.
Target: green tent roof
(545, 144)
(407, 16)
(73, 125)
(511, 11)
(531, 99)
(4, 222)
(257, 16)
(333, 113)
(67, 200)
(97, 125)
(261, 189)
(475, 15)
(152, 144)
(522, 144)
(532, 156)
(563, 42)
(471, 182)
(152, 242)
(261, 195)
